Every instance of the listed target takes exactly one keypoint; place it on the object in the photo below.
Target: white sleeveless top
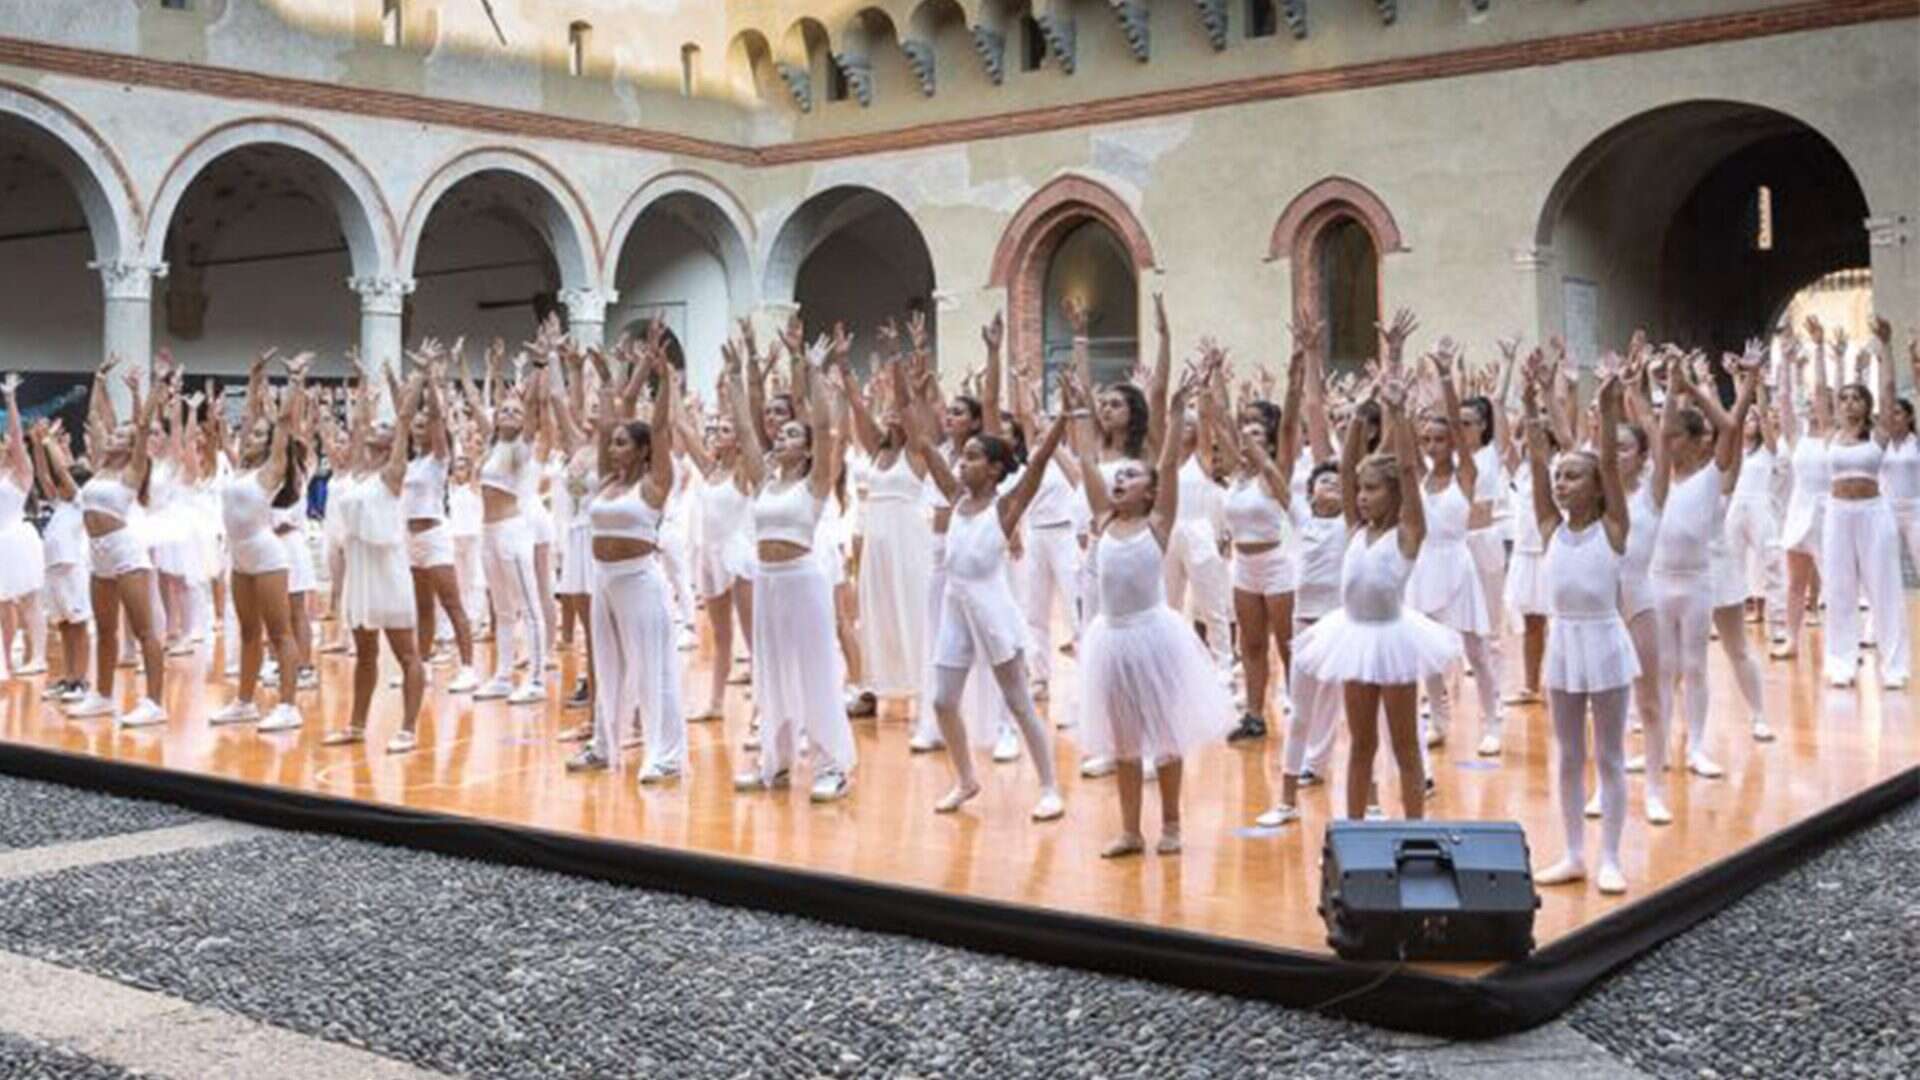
(976, 546)
(1900, 468)
(894, 483)
(1755, 482)
(1201, 497)
(1373, 577)
(1583, 575)
(423, 491)
(790, 514)
(244, 509)
(1854, 461)
(13, 501)
(624, 515)
(1132, 575)
(1253, 515)
(1689, 522)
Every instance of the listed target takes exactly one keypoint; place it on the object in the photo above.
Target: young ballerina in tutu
(1148, 688)
(1581, 506)
(1373, 645)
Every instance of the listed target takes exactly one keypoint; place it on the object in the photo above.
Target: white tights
(1485, 679)
(949, 686)
(1682, 610)
(1609, 709)
(1730, 623)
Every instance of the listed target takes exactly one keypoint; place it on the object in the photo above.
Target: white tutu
(1588, 655)
(175, 544)
(1445, 585)
(1148, 689)
(1407, 649)
(1526, 586)
(22, 560)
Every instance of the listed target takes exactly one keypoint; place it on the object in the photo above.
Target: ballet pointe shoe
(1564, 872)
(955, 799)
(1127, 844)
(1610, 881)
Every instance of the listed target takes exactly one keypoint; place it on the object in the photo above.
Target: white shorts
(260, 553)
(576, 561)
(434, 547)
(1264, 573)
(66, 594)
(302, 577)
(118, 553)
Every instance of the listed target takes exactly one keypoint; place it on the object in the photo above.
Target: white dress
(1148, 688)
(1806, 506)
(1444, 584)
(378, 592)
(1373, 637)
(1588, 647)
(22, 556)
(895, 562)
(1526, 586)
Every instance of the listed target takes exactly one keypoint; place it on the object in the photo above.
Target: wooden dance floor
(500, 763)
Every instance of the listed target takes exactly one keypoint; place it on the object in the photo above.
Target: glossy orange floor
(498, 762)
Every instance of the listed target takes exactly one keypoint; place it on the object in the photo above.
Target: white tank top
(1854, 461)
(13, 501)
(1643, 531)
(1811, 471)
(976, 545)
(1253, 515)
(1200, 497)
(624, 515)
(1900, 468)
(507, 468)
(1052, 504)
(1447, 511)
(790, 514)
(1583, 575)
(107, 495)
(893, 483)
(423, 492)
(66, 536)
(1132, 574)
(1689, 522)
(1373, 577)
(244, 509)
(1755, 482)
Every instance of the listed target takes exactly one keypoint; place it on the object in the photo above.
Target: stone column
(587, 315)
(382, 302)
(128, 330)
(1896, 281)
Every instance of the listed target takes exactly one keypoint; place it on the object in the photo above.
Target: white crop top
(13, 501)
(243, 507)
(788, 514)
(506, 467)
(1900, 469)
(107, 495)
(626, 515)
(1855, 461)
(423, 493)
(1253, 515)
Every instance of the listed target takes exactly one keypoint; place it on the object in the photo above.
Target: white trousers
(506, 553)
(798, 672)
(473, 583)
(1199, 586)
(1316, 713)
(1860, 554)
(1753, 542)
(1052, 575)
(636, 664)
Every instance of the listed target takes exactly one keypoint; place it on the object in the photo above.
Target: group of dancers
(875, 538)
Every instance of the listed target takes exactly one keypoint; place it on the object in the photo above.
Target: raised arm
(1159, 378)
(1466, 471)
(1352, 448)
(992, 335)
(1413, 513)
(752, 459)
(393, 471)
(1306, 342)
(1545, 511)
(1888, 400)
(828, 447)
(1014, 503)
(660, 459)
(18, 462)
(920, 445)
(1166, 492)
(1611, 484)
(1075, 399)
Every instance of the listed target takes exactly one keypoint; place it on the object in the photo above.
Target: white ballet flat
(1564, 872)
(1278, 816)
(1610, 881)
(1050, 807)
(1657, 812)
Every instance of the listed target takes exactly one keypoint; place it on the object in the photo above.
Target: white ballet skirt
(169, 532)
(1588, 647)
(1526, 585)
(1373, 637)
(22, 555)
(723, 529)
(1800, 529)
(1148, 688)
(378, 591)
(1444, 583)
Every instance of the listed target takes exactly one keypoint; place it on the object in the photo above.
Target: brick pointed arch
(1320, 205)
(1030, 239)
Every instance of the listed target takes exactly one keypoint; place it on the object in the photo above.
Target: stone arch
(1655, 219)
(365, 219)
(1338, 233)
(1322, 204)
(714, 210)
(563, 221)
(99, 180)
(870, 237)
(1029, 241)
(750, 74)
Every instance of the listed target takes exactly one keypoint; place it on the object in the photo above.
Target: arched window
(1349, 271)
(689, 70)
(390, 29)
(577, 37)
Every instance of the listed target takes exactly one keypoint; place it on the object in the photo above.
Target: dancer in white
(423, 499)
(979, 619)
(1377, 648)
(1753, 530)
(65, 592)
(723, 569)
(1635, 450)
(122, 569)
(1694, 467)
(1149, 692)
(1805, 520)
(1445, 585)
(1581, 508)
(267, 476)
(1900, 469)
(508, 537)
(22, 554)
(797, 669)
(377, 596)
(636, 664)
(1860, 548)
(1265, 445)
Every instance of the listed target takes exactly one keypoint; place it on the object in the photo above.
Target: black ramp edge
(1513, 998)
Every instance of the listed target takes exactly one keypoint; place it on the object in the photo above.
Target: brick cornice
(1591, 45)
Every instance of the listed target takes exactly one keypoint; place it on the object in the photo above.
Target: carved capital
(1133, 25)
(587, 305)
(126, 279)
(1389, 11)
(992, 47)
(799, 84)
(382, 295)
(920, 57)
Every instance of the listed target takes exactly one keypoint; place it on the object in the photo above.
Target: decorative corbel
(799, 84)
(1059, 32)
(859, 73)
(1133, 24)
(1213, 16)
(1389, 10)
(992, 47)
(920, 58)
(1295, 13)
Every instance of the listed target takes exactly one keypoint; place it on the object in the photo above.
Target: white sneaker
(1006, 747)
(1636, 763)
(830, 787)
(1376, 813)
(1489, 745)
(270, 671)
(284, 717)
(1593, 806)
(236, 712)
(1761, 732)
(181, 648)
(306, 679)
(90, 706)
(1657, 812)
(233, 669)
(1704, 767)
(464, 682)
(1278, 816)
(38, 667)
(654, 772)
(145, 714)
(688, 639)
(73, 694)
(396, 680)
(1610, 880)
(922, 744)
(1095, 767)
(533, 693)
(493, 690)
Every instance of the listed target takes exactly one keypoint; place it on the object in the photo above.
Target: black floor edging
(1512, 998)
